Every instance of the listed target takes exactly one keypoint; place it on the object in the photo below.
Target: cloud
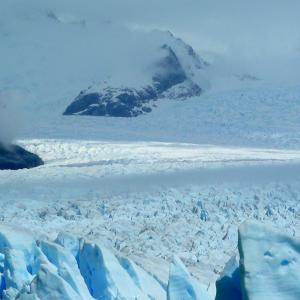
(11, 118)
(256, 36)
(238, 37)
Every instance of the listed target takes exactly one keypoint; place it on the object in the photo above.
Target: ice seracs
(269, 263)
(68, 269)
(17, 249)
(182, 286)
(104, 275)
(147, 283)
(268, 267)
(72, 268)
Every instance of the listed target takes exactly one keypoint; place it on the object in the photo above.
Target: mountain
(172, 76)
(55, 49)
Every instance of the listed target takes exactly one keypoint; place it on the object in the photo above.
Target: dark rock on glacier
(13, 157)
(115, 102)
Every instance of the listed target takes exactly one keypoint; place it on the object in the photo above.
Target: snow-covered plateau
(152, 161)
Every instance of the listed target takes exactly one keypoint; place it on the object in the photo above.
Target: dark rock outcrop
(14, 157)
(115, 102)
(169, 71)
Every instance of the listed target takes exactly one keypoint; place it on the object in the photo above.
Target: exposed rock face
(269, 263)
(114, 102)
(169, 71)
(172, 78)
(14, 157)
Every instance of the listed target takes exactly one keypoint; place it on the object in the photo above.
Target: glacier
(72, 268)
(268, 266)
(228, 286)
(269, 263)
(165, 177)
(182, 286)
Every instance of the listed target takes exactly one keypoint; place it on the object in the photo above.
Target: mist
(257, 37)
(11, 117)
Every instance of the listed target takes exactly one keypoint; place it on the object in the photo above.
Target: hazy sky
(259, 35)
(258, 25)
(255, 36)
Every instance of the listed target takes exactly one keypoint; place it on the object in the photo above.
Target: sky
(241, 29)
(257, 36)
(209, 24)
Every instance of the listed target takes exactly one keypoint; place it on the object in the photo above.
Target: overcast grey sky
(256, 34)
(224, 24)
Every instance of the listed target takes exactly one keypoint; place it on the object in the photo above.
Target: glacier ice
(269, 263)
(17, 248)
(228, 286)
(143, 280)
(66, 267)
(48, 284)
(182, 286)
(69, 268)
(104, 275)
